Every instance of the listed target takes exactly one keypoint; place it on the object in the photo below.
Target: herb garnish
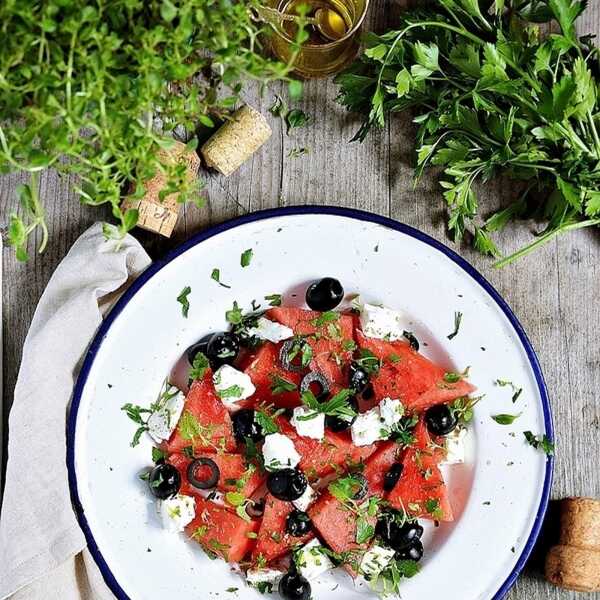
(297, 152)
(457, 321)
(504, 419)
(463, 407)
(199, 366)
(368, 361)
(266, 421)
(183, 300)
(336, 406)
(280, 385)
(158, 454)
(136, 414)
(540, 442)
(216, 276)
(273, 299)
(328, 316)
(296, 118)
(246, 257)
(234, 315)
(517, 391)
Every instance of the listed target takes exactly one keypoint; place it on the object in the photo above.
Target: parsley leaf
(246, 257)
(504, 419)
(540, 442)
(183, 300)
(200, 366)
(216, 276)
(273, 299)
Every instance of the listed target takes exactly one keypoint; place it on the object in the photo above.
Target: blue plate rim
(353, 213)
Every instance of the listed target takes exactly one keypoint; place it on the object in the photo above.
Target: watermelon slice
(236, 474)
(205, 423)
(332, 342)
(264, 370)
(378, 464)
(334, 453)
(421, 490)
(221, 531)
(273, 540)
(409, 376)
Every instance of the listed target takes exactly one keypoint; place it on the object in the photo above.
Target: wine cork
(158, 215)
(236, 141)
(574, 564)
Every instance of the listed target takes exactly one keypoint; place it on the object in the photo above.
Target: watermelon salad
(303, 440)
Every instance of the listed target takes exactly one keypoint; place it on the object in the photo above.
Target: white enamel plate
(499, 495)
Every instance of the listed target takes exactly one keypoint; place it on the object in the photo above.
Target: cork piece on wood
(580, 523)
(236, 141)
(156, 215)
(574, 568)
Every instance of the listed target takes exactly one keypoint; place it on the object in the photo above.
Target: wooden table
(554, 292)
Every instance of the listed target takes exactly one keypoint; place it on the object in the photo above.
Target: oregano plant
(96, 89)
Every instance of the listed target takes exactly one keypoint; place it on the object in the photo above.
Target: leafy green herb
(183, 300)
(300, 346)
(451, 377)
(328, 316)
(264, 587)
(273, 299)
(233, 391)
(279, 107)
(246, 257)
(368, 361)
(457, 321)
(280, 385)
(540, 442)
(216, 276)
(140, 416)
(200, 366)
(296, 118)
(463, 407)
(336, 406)
(504, 419)
(234, 316)
(349, 345)
(492, 96)
(95, 92)
(432, 506)
(364, 530)
(517, 391)
(297, 152)
(158, 454)
(266, 422)
(231, 590)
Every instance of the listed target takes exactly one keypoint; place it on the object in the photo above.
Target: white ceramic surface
(497, 495)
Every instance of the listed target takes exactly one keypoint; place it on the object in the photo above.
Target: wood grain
(554, 292)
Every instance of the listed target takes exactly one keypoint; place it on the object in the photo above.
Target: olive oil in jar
(330, 20)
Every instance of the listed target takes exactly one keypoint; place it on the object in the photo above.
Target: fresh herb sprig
(337, 406)
(492, 96)
(96, 90)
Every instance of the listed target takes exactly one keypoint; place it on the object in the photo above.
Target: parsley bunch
(96, 89)
(492, 96)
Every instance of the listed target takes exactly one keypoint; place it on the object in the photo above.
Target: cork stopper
(236, 141)
(574, 564)
(156, 215)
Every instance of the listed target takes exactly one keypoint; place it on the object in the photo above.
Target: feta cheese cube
(279, 452)
(270, 330)
(177, 512)
(313, 427)
(255, 577)
(306, 499)
(376, 560)
(232, 385)
(455, 447)
(312, 561)
(390, 411)
(380, 322)
(163, 420)
(367, 428)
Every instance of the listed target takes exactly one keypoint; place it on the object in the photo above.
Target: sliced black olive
(398, 537)
(256, 509)
(412, 552)
(289, 356)
(440, 420)
(362, 486)
(338, 423)
(203, 473)
(324, 294)
(164, 481)
(298, 523)
(359, 378)
(368, 393)
(412, 340)
(287, 484)
(222, 349)
(292, 586)
(245, 426)
(390, 479)
(200, 346)
(314, 377)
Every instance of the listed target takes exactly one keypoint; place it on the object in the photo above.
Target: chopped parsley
(158, 454)
(504, 419)
(246, 257)
(136, 414)
(432, 506)
(540, 442)
(216, 276)
(517, 391)
(463, 408)
(451, 377)
(183, 300)
(266, 422)
(368, 361)
(233, 391)
(234, 315)
(200, 365)
(273, 299)
(337, 406)
(328, 316)
(457, 322)
(280, 385)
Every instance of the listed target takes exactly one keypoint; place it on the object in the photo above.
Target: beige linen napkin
(42, 549)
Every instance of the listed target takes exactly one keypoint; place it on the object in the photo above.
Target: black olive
(324, 294)
(412, 340)
(199, 346)
(290, 355)
(222, 349)
(164, 481)
(287, 484)
(338, 423)
(298, 523)
(245, 426)
(368, 392)
(292, 586)
(359, 378)
(320, 380)
(398, 537)
(203, 473)
(440, 420)
(413, 552)
(390, 479)
(256, 509)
